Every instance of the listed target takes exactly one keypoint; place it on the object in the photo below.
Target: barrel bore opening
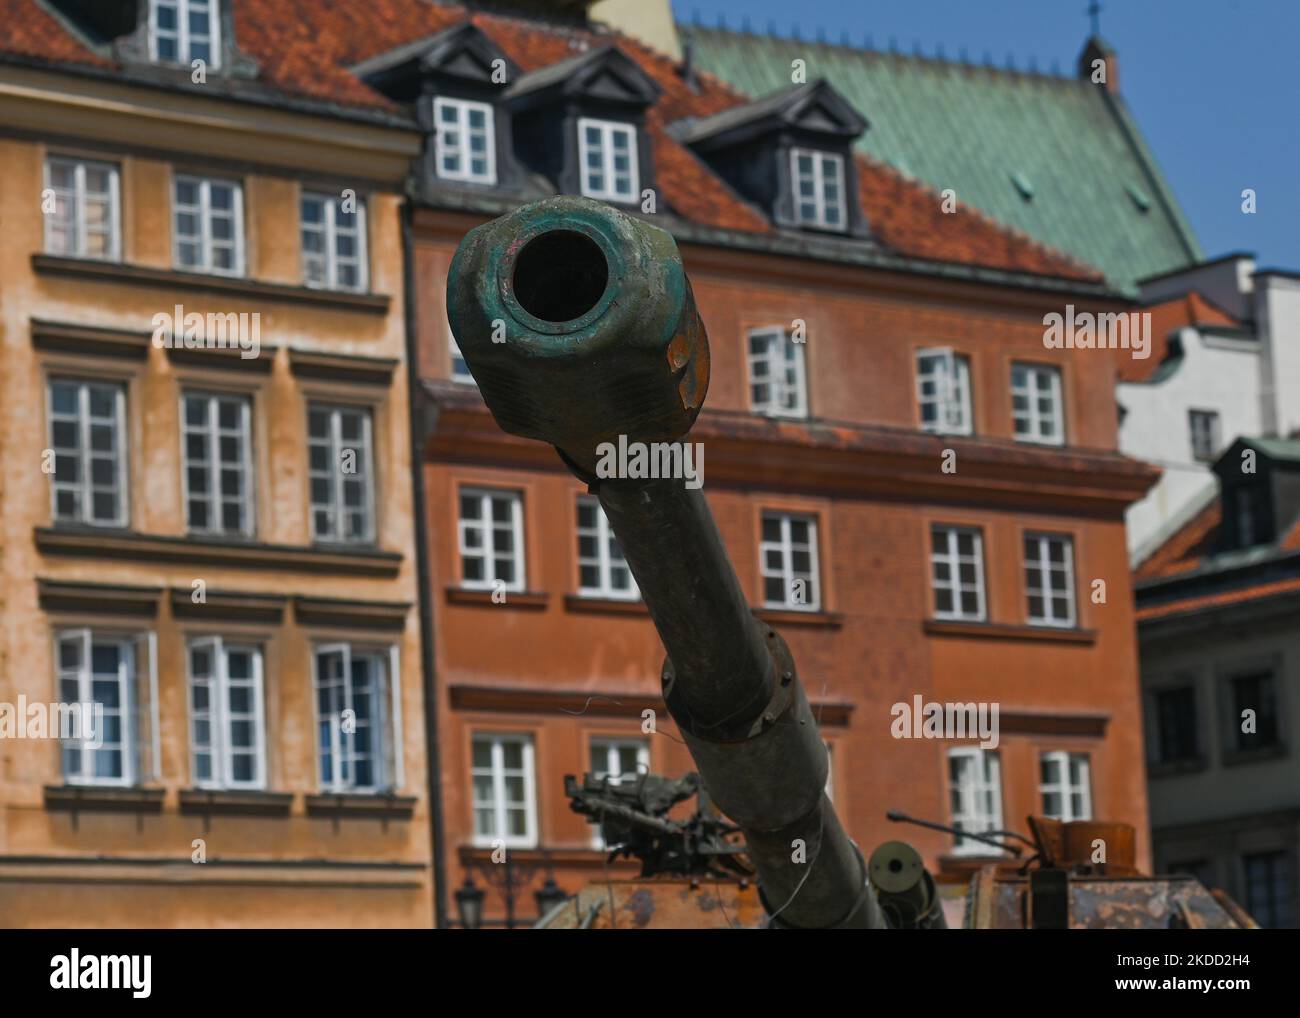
(560, 275)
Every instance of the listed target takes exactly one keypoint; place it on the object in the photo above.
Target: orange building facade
(208, 520)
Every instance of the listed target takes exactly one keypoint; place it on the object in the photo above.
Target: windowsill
(117, 543)
(124, 272)
(531, 599)
(795, 617)
(234, 802)
(1243, 757)
(103, 799)
(1172, 768)
(469, 854)
(361, 806)
(597, 605)
(1006, 631)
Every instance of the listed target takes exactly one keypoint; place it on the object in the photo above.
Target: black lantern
(469, 903)
(548, 896)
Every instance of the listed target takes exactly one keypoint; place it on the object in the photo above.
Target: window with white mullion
(227, 714)
(333, 243)
(957, 572)
(1036, 408)
(86, 220)
(617, 761)
(602, 569)
(777, 378)
(356, 740)
(975, 788)
(88, 438)
(218, 474)
(1049, 580)
(340, 458)
(98, 670)
(465, 146)
(1065, 785)
(943, 391)
(818, 188)
(459, 369)
(608, 160)
(182, 31)
(491, 539)
(788, 559)
(503, 794)
(208, 225)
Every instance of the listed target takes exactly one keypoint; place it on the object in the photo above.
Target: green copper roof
(1057, 157)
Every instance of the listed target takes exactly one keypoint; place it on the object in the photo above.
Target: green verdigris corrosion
(557, 357)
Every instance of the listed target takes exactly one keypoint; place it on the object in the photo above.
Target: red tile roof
(1218, 599)
(305, 47)
(1190, 309)
(1187, 548)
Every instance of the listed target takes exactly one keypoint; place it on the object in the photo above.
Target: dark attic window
(581, 124)
(182, 35)
(819, 189)
(453, 82)
(790, 152)
(182, 31)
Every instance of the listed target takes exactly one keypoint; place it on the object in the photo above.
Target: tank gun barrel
(579, 325)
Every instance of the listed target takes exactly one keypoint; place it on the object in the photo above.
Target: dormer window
(465, 147)
(608, 156)
(790, 153)
(182, 31)
(819, 188)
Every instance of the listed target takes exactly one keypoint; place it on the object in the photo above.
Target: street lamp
(469, 904)
(549, 895)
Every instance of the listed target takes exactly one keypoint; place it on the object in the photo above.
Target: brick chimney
(1106, 73)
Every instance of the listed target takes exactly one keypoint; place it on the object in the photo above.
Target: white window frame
(611, 746)
(498, 803)
(607, 129)
(951, 395)
(454, 355)
(785, 548)
(1034, 390)
(787, 374)
(830, 770)
(182, 32)
(218, 714)
(1040, 564)
(821, 218)
(386, 770)
(77, 200)
(463, 108)
(951, 556)
(84, 486)
(336, 507)
(204, 212)
(212, 435)
(329, 231)
(980, 780)
(1212, 418)
(607, 559)
(127, 667)
(487, 550)
(1066, 788)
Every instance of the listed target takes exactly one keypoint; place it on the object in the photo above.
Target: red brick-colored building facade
(552, 676)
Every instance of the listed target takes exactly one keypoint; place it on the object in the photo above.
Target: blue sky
(1214, 84)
